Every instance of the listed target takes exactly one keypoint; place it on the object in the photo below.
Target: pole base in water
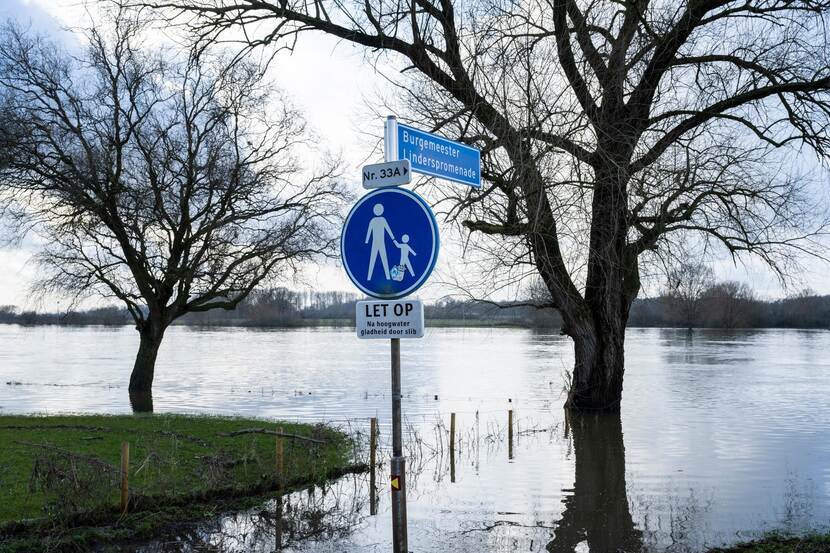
(398, 483)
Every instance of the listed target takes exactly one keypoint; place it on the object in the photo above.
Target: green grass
(773, 543)
(173, 460)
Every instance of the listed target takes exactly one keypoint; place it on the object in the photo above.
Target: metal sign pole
(398, 464)
(390, 139)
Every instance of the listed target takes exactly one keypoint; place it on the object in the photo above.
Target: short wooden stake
(373, 448)
(478, 442)
(452, 447)
(280, 459)
(373, 443)
(280, 468)
(452, 431)
(125, 476)
(510, 434)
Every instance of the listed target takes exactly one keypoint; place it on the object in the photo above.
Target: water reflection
(295, 522)
(727, 435)
(596, 510)
(594, 516)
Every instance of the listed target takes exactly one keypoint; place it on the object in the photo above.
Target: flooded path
(723, 436)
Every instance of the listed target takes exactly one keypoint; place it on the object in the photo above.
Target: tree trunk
(611, 285)
(599, 364)
(141, 379)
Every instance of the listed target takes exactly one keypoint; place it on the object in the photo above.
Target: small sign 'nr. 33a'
(390, 173)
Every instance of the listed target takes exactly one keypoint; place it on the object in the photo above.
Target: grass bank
(60, 475)
(816, 543)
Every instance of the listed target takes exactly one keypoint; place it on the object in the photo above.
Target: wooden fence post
(280, 459)
(373, 449)
(452, 447)
(373, 443)
(280, 468)
(125, 476)
(452, 432)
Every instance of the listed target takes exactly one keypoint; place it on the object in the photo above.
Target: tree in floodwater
(730, 304)
(686, 286)
(610, 131)
(171, 185)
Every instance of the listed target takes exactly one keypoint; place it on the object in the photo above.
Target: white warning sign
(390, 319)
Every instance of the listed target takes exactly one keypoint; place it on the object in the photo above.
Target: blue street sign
(390, 242)
(433, 155)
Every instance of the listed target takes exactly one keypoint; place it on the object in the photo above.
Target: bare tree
(730, 304)
(686, 287)
(171, 185)
(610, 130)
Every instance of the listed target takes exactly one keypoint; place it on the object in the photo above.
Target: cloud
(16, 276)
(28, 12)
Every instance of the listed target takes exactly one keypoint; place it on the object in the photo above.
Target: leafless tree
(610, 130)
(172, 185)
(730, 304)
(686, 288)
(802, 306)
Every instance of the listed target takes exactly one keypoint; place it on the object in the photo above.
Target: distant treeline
(10, 314)
(722, 305)
(281, 307)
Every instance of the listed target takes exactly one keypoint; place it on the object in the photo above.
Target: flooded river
(722, 436)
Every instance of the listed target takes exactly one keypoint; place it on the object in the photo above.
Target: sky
(326, 81)
(332, 85)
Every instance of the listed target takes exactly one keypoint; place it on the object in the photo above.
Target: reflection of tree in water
(305, 518)
(597, 511)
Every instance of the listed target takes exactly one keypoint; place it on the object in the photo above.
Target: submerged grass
(63, 471)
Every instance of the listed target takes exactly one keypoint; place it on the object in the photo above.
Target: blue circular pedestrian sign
(389, 244)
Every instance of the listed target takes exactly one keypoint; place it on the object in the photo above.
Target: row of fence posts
(452, 439)
(280, 467)
(373, 445)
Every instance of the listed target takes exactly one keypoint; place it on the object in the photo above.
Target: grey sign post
(398, 464)
(408, 221)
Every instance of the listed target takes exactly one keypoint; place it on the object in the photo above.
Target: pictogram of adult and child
(377, 231)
